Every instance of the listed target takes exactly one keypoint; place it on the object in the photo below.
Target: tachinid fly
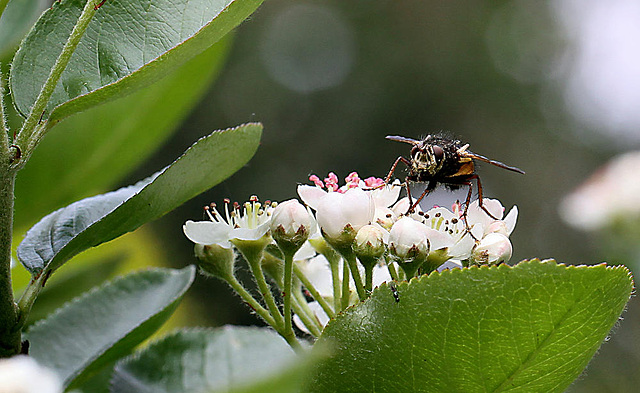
(438, 160)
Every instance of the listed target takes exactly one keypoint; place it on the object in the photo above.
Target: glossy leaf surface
(95, 220)
(128, 44)
(95, 149)
(528, 328)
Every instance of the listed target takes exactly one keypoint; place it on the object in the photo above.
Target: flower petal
(510, 219)
(311, 195)
(305, 252)
(206, 232)
(250, 233)
(387, 195)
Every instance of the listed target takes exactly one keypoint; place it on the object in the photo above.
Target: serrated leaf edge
(435, 275)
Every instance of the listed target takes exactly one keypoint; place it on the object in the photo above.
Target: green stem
(313, 291)
(350, 258)
(264, 313)
(4, 138)
(251, 301)
(334, 264)
(30, 134)
(368, 262)
(10, 336)
(292, 341)
(265, 290)
(392, 270)
(305, 314)
(288, 278)
(368, 278)
(345, 286)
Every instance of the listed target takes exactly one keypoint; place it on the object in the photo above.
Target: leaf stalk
(34, 127)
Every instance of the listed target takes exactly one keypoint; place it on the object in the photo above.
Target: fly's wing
(402, 139)
(490, 161)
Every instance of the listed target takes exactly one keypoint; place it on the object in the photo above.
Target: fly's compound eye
(438, 153)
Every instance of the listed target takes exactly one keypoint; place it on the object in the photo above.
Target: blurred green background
(552, 87)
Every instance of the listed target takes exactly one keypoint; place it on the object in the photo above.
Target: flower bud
(408, 239)
(409, 244)
(215, 260)
(370, 242)
(492, 249)
(291, 225)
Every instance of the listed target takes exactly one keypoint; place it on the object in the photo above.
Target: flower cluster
(344, 241)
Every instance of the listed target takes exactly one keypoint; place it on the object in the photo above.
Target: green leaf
(129, 44)
(104, 143)
(92, 221)
(101, 145)
(16, 21)
(65, 287)
(105, 324)
(528, 328)
(229, 359)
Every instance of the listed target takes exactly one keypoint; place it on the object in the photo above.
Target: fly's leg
(467, 202)
(393, 169)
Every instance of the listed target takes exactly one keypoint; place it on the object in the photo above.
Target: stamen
(352, 178)
(316, 180)
(331, 182)
(373, 182)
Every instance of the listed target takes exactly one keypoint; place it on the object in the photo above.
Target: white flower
(318, 313)
(291, 225)
(318, 271)
(612, 193)
(450, 265)
(21, 374)
(482, 224)
(292, 218)
(383, 196)
(380, 275)
(409, 239)
(492, 249)
(252, 223)
(401, 207)
(337, 211)
(449, 238)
